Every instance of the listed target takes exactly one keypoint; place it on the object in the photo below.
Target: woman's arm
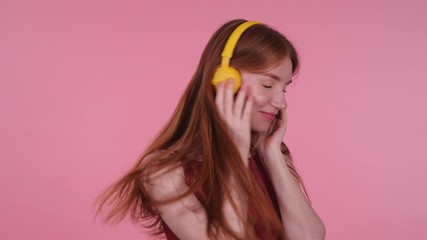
(186, 217)
(299, 219)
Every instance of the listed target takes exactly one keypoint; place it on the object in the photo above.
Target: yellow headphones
(225, 72)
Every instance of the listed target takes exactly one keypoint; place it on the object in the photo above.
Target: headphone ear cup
(223, 74)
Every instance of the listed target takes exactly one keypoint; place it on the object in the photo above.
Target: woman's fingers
(235, 112)
(233, 109)
(246, 115)
(228, 99)
(240, 102)
(283, 122)
(219, 98)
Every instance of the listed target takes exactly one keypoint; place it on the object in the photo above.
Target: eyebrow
(276, 77)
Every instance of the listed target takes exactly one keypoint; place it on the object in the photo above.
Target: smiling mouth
(269, 116)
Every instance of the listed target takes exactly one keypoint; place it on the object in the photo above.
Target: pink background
(84, 85)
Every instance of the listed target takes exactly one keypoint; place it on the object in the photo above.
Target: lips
(269, 116)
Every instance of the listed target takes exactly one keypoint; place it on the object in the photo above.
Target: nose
(278, 100)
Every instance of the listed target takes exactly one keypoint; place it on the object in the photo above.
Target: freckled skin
(267, 93)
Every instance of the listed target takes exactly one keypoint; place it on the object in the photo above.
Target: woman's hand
(236, 114)
(272, 142)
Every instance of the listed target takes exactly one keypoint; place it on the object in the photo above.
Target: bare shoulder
(165, 183)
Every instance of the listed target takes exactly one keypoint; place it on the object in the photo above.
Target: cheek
(259, 99)
(258, 93)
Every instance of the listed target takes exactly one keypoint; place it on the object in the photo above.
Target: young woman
(219, 168)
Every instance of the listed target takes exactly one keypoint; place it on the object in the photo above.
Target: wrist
(271, 151)
(272, 156)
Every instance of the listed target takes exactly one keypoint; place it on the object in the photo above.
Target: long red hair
(196, 129)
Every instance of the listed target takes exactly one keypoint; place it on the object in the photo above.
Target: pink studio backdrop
(84, 85)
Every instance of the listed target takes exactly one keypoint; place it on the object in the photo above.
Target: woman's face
(268, 93)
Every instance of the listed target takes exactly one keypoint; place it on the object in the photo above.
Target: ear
(225, 73)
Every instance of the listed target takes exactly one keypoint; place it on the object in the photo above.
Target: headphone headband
(225, 71)
(227, 53)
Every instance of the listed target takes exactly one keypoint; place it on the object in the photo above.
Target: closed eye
(266, 86)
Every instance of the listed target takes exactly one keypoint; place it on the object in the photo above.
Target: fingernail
(230, 81)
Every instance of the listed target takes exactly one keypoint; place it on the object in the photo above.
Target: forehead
(283, 70)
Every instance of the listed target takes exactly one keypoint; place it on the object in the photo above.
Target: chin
(259, 128)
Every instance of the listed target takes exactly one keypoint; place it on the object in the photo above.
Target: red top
(261, 175)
